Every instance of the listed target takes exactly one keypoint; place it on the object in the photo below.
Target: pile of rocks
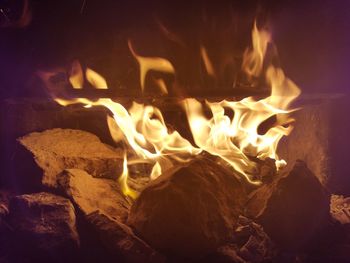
(201, 210)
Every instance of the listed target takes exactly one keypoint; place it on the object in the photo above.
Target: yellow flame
(144, 129)
(156, 171)
(76, 77)
(162, 86)
(151, 63)
(235, 138)
(123, 181)
(207, 63)
(95, 79)
(253, 58)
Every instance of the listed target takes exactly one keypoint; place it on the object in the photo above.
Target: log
(190, 210)
(120, 241)
(292, 209)
(90, 194)
(58, 149)
(44, 228)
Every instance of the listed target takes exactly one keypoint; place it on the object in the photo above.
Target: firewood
(189, 211)
(91, 194)
(58, 149)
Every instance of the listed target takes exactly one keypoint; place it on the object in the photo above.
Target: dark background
(312, 37)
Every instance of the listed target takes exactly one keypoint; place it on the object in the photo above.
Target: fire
(253, 59)
(235, 139)
(147, 64)
(76, 77)
(123, 180)
(207, 63)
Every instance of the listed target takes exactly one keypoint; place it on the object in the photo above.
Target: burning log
(58, 149)
(189, 211)
(44, 227)
(91, 194)
(292, 209)
(120, 240)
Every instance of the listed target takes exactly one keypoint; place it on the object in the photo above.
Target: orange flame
(207, 63)
(234, 139)
(253, 59)
(76, 77)
(123, 180)
(151, 63)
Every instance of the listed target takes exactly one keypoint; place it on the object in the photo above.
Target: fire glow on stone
(233, 139)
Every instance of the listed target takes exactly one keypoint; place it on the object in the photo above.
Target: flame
(95, 79)
(235, 139)
(123, 180)
(207, 63)
(76, 77)
(143, 128)
(162, 86)
(156, 171)
(253, 59)
(151, 63)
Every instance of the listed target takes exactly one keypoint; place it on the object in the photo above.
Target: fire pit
(243, 170)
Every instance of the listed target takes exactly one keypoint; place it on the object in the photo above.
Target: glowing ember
(234, 139)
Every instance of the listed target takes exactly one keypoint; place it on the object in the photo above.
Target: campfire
(168, 176)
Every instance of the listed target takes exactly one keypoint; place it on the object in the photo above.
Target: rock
(340, 208)
(190, 210)
(4, 200)
(322, 128)
(5, 229)
(311, 130)
(250, 244)
(58, 149)
(225, 254)
(44, 227)
(91, 194)
(121, 241)
(255, 244)
(292, 209)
